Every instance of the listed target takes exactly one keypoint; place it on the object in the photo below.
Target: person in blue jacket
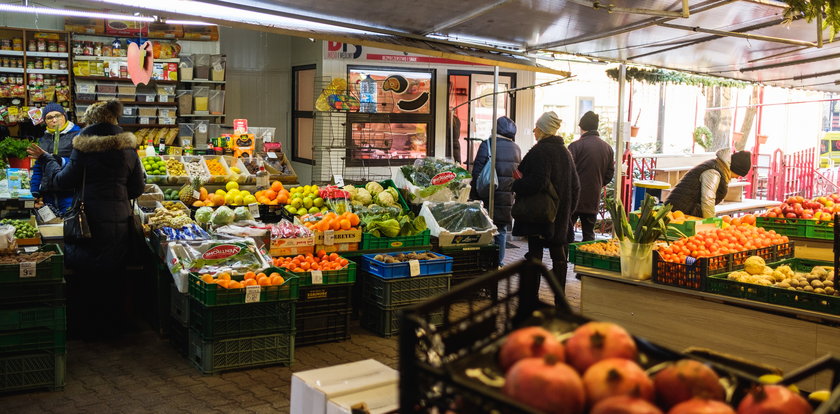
(57, 141)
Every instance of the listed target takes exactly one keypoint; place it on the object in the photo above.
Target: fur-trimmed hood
(102, 143)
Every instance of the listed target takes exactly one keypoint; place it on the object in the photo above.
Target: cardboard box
(126, 28)
(84, 25)
(378, 400)
(166, 31)
(292, 247)
(338, 237)
(337, 248)
(312, 389)
(466, 237)
(33, 241)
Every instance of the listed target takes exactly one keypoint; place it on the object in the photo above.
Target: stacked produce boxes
(33, 323)
(391, 282)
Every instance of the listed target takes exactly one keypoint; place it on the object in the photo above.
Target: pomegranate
(616, 376)
(595, 341)
(530, 342)
(684, 380)
(545, 384)
(624, 404)
(773, 399)
(701, 406)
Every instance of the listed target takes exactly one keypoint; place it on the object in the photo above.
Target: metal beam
(704, 6)
(465, 17)
(740, 35)
(792, 62)
(609, 8)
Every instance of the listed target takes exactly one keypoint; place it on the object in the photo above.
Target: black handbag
(75, 221)
(539, 208)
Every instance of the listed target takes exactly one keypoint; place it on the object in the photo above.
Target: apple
(790, 215)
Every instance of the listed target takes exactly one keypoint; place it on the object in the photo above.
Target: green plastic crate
(51, 269)
(821, 230)
(719, 284)
(800, 299)
(48, 317)
(217, 322)
(32, 370)
(36, 339)
(596, 261)
(403, 291)
(786, 226)
(220, 355)
(30, 293)
(385, 322)
(371, 242)
(209, 294)
(688, 228)
(330, 277)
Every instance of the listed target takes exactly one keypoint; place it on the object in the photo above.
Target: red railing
(791, 175)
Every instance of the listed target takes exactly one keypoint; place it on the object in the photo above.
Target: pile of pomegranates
(596, 371)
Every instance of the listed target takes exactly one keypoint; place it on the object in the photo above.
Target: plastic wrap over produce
(433, 179)
(236, 256)
(459, 223)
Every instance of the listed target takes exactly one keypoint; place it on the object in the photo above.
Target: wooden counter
(779, 336)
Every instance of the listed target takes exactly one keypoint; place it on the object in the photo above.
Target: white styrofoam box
(379, 400)
(465, 237)
(181, 276)
(413, 192)
(312, 389)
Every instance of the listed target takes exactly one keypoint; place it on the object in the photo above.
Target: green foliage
(703, 137)
(810, 9)
(14, 148)
(654, 76)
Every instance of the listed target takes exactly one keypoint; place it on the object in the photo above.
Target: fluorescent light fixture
(13, 8)
(188, 22)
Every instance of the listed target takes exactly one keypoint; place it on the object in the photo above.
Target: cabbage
(385, 199)
(203, 214)
(222, 216)
(363, 196)
(374, 188)
(351, 189)
(384, 228)
(242, 214)
(394, 193)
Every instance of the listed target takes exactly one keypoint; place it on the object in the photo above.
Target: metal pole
(493, 140)
(619, 131)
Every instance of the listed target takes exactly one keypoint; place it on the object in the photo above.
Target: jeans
(587, 225)
(501, 241)
(558, 253)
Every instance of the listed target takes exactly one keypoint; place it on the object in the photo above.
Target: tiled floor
(142, 373)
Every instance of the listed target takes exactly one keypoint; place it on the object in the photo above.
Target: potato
(830, 290)
(820, 291)
(808, 288)
(816, 284)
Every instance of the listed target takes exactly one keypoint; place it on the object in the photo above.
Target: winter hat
(506, 127)
(54, 107)
(589, 121)
(103, 112)
(741, 163)
(549, 123)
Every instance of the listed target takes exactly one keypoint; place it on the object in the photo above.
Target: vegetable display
(223, 215)
(235, 256)
(168, 218)
(390, 221)
(23, 230)
(456, 217)
(652, 224)
(403, 257)
(432, 175)
(373, 193)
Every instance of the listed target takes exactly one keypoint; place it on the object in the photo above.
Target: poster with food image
(126, 28)
(388, 141)
(397, 91)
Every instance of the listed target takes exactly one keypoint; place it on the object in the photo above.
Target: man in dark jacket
(706, 185)
(548, 163)
(595, 164)
(508, 156)
(105, 163)
(58, 141)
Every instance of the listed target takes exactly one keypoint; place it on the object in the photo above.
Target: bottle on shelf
(262, 177)
(150, 148)
(367, 93)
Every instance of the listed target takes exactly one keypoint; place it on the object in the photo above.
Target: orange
(322, 253)
(259, 275)
(274, 274)
(249, 282)
(234, 285)
(334, 256)
(298, 270)
(250, 275)
(208, 278)
(198, 203)
(354, 220)
(223, 283)
(345, 224)
(209, 203)
(335, 224)
(277, 280)
(264, 281)
(217, 199)
(223, 275)
(270, 194)
(305, 266)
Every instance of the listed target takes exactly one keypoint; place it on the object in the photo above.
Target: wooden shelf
(120, 59)
(138, 103)
(110, 79)
(201, 116)
(149, 125)
(203, 81)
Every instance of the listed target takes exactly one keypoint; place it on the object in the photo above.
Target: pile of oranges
(720, 241)
(748, 219)
(251, 279)
(322, 261)
(331, 221)
(274, 195)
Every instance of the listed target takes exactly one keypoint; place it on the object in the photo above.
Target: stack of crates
(222, 329)
(324, 306)
(387, 288)
(470, 262)
(33, 324)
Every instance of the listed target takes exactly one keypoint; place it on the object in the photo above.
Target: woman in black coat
(104, 157)
(548, 163)
(508, 156)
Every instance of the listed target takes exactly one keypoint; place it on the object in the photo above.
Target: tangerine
(223, 276)
(277, 280)
(264, 281)
(249, 282)
(250, 275)
(277, 186)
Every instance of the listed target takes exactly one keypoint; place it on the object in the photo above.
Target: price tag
(254, 209)
(267, 137)
(317, 277)
(329, 237)
(161, 148)
(202, 128)
(30, 249)
(29, 204)
(338, 180)
(196, 195)
(252, 293)
(46, 214)
(27, 270)
(414, 267)
(272, 155)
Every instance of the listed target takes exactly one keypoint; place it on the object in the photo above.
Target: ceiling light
(13, 8)
(188, 22)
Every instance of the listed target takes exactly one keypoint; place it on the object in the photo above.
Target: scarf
(724, 169)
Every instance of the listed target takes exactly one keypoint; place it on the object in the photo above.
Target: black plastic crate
(33, 293)
(179, 306)
(323, 298)
(322, 327)
(479, 294)
(385, 321)
(403, 291)
(32, 371)
(214, 322)
(220, 355)
(471, 260)
(179, 336)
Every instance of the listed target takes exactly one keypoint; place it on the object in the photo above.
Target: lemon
(229, 198)
(249, 199)
(232, 185)
(238, 199)
(235, 169)
(306, 188)
(821, 395)
(770, 379)
(221, 192)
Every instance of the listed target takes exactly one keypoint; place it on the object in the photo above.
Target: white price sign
(338, 180)
(252, 293)
(272, 155)
(27, 270)
(30, 249)
(254, 209)
(317, 277)
(414, 268)
(196, 195)
(161, 147)
(29, 204)
(46, 214)
(329, 237)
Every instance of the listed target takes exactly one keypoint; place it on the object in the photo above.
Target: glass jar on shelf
(42, 45)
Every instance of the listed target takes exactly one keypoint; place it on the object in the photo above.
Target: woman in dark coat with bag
(548, 163)
(105, 163)
(508, 156)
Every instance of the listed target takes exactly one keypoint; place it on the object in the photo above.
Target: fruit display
(819, 208)
(331, 192)
(170, 194)
(23, 229)
(285, 229)
(406, 257)
(215, 167)
(305, 200)
(607, 248)
(748, 219)
(322, 261)
(195, 168)
(188, 194)
(154, 165)
(276, 194)
(175, 167)
(819, 280)
(678, 217)
(720, 241)
(175, 206)
(168, 218)
(330, 221)
(224, 280)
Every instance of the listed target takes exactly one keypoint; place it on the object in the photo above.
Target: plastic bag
(237, 256)
(482, 182)
(433, 179)
(456, 217)
(8, 242)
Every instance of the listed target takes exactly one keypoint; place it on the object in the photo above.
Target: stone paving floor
(142, 373)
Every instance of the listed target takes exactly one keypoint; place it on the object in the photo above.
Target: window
(402, 127)
(303, 113)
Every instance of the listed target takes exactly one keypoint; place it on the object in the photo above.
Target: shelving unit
(127, 80)
(135, 103)
(202, 116)
(204, 81)
(119, 59)
(12, 70)
(28, 57)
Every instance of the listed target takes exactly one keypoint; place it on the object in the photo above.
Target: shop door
(481, 124)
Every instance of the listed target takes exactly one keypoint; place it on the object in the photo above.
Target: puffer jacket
(688, 195)
(59, 198)
(106, 157)
(508, 156)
